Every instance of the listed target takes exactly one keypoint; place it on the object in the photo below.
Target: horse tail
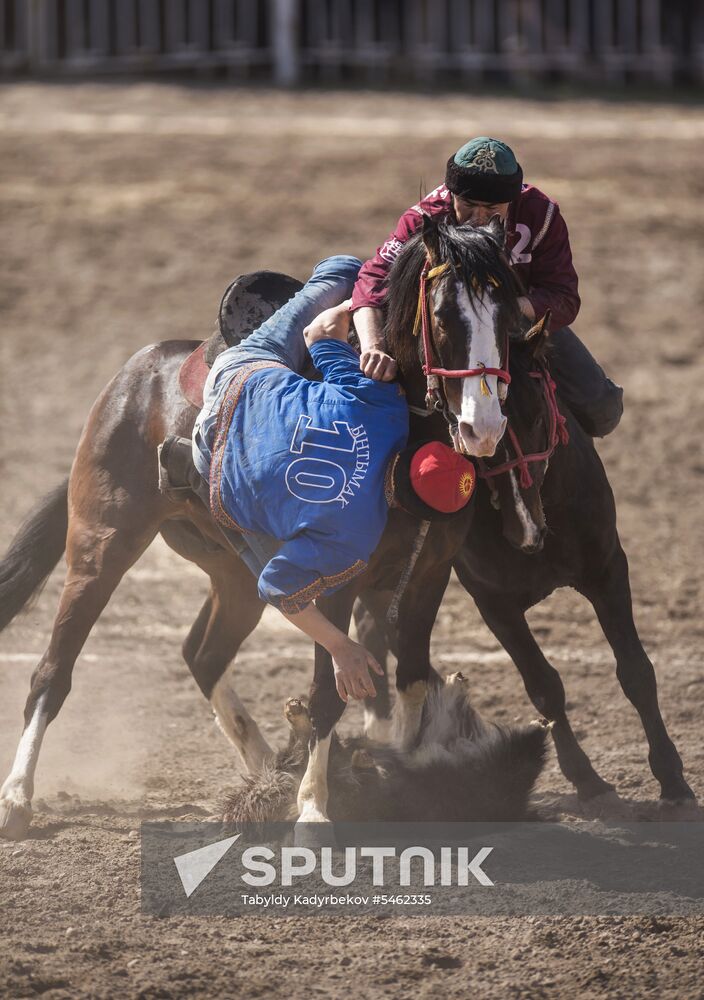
(33, 553)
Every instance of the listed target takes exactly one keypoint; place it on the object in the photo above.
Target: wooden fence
(292, 41)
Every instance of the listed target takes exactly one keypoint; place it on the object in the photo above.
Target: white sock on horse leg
(238, 725)
(313, 791)
(18, 788)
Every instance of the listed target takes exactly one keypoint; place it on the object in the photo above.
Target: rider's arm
(370, 288)
(351, 661)
(310, 566)
(335, 359)
(375, 362)
(553, 279)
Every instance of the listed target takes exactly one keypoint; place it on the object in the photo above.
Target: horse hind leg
(18, 788)
(325, 708)
(611, 599)
(545, 689)
(97, 557)
(231, 612)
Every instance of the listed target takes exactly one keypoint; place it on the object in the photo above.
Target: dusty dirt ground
(125, 211)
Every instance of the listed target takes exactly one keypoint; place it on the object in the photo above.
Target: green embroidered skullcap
(484, 169)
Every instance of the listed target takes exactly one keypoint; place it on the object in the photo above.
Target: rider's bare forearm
(351, 662)
(314, 624)
(332, 324)
(369, 324)
(374, 361)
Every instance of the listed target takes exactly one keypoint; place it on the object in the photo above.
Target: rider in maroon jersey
(484, 179)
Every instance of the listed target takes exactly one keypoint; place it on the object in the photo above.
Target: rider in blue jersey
(303, 469)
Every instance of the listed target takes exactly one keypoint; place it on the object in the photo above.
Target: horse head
(452, 308)
(535, 427)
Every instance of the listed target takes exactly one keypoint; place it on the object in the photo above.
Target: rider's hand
(352, 663)
(378, 365)
(331, 324)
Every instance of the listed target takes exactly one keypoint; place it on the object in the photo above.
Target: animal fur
(462, 769)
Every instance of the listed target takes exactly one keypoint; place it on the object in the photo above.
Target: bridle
(436, 400)
(434, 397)
(557, 434)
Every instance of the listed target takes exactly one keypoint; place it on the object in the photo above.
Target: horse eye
(442, 312)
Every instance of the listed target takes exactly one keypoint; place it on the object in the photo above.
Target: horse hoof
(14, 820)
(607, 805)
(684, 805)
(313, 829)
(595, 788)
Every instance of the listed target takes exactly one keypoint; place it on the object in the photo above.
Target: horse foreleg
(611, 598)
(370, 621)
(417, 613)
(544, 688)
(97, 556)
(325, 708)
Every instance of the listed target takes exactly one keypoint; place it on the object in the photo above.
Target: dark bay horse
(470, 312)
(538, 526)
(110, 510)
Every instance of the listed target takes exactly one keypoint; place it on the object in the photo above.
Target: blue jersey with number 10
(305, 462)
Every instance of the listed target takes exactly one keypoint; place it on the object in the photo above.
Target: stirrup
(178, 476)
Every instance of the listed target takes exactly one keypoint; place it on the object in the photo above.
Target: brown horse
(110, 510)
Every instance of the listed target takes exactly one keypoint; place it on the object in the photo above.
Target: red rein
(557, 431)
(557, 434)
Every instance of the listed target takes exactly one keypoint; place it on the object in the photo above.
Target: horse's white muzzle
(480, 441)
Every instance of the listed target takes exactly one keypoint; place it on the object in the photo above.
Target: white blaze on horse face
(19, 786)
(481, 421)
(531, 532)
(238, 725)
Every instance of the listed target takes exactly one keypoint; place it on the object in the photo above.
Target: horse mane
(478, 255)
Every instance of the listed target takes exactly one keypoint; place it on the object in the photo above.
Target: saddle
(248, 302)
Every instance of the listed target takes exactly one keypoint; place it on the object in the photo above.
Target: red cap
(442, 478)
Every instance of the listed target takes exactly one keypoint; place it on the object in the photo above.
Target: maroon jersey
(536, 236)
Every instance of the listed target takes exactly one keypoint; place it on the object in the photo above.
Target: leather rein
(436, 400)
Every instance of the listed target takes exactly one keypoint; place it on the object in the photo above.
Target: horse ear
(497, 228)
(538, 334)
(431, 239)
